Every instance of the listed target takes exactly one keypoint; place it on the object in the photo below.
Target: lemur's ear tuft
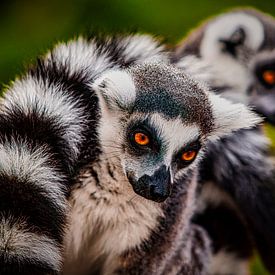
(231, 30)
(115, 89)
(229, 117)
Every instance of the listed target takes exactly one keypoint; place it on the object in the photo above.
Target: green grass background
(28, 28)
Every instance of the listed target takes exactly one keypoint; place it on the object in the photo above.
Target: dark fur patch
(77, 87)
(217, 220)
(248, 176)
(147, 102)
(11, 265)
(36, 129)
(114, 46)
(25, 199)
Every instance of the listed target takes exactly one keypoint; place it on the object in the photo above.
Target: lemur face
(156, 122)
(262, 91)
(230, 43)
(157, 152)
(234, 36)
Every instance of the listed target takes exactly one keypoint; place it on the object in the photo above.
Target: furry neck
(111, 178)
(107, 217)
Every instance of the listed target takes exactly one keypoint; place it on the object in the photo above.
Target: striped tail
(42, 122)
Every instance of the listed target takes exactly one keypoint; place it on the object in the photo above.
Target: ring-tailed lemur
(230, 42)
(234, 49)
(128, 135)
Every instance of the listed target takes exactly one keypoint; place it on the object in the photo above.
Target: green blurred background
(28, 28)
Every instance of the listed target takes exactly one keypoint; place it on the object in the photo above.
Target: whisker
(110, 156)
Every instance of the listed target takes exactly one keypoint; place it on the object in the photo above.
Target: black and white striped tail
(48, 124)
(39, 145)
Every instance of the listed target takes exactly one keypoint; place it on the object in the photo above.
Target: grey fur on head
(167, 89)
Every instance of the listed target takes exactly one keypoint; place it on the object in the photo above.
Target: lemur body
(236, 50)
(121, 222)
(92, 106)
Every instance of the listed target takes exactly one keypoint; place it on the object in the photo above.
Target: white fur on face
(174, 133)
(115, 89)
(229, 117)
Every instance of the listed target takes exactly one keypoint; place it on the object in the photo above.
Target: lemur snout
(265, 105)
(156, 187)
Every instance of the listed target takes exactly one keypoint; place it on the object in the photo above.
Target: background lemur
(237, 49)
(231, 42)
(128, 136)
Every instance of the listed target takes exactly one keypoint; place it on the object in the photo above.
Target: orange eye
(269, 77)
(141, 139)
(189, 155)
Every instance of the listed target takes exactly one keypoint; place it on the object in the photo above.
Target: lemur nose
(156, 187)
(159, 194)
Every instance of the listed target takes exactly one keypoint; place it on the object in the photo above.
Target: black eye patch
(265, 73)
(236, 39)
(188, 151)
(144, 128)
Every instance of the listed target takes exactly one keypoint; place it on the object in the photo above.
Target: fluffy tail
(43, 118)
(40, 140)
(32, 208)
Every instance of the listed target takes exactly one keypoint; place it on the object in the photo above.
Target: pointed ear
(229, 117)
(237, 38)
(115, 90)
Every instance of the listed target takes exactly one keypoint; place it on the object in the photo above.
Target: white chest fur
(107, 219)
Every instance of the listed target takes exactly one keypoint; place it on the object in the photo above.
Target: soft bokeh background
(28, 28)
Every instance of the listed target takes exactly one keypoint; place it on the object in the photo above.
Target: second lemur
(236, 49)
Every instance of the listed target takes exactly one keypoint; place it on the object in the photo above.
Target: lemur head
(228, 42)
(156, 120)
